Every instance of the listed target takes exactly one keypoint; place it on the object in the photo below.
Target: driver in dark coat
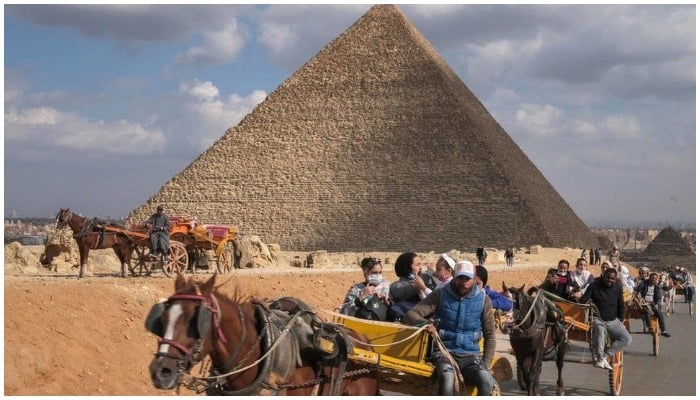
(159, 224)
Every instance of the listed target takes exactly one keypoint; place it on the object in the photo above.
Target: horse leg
(121, 256)
(535, 371)
(561, 351)
(528, 368)
(83, 249)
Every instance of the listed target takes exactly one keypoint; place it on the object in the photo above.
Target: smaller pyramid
(668, 243)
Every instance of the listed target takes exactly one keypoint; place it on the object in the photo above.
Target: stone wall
(374, 144)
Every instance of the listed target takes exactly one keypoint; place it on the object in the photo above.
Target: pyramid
(374, 144)
(668, 243)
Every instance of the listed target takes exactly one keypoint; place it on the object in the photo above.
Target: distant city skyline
(105, 103)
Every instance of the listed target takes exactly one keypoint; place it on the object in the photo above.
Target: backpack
(374, 309)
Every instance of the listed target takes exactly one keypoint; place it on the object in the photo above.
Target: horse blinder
(153, 322)
(203, 321)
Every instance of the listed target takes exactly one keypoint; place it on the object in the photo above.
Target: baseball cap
(464, 268)
(450, 261)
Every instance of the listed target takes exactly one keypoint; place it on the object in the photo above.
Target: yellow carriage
(402, 353)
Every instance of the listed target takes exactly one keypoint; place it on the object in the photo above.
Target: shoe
(604, 364)
(666, 334)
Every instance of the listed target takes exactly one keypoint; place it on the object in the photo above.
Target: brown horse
(254, 349)
(535, 334)
(90, 236)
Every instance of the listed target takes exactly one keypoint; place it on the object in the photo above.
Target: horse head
(63, 217)
(184, 325)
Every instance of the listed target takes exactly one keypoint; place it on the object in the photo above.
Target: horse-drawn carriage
(281, 347)
(535, 337)
(636, 309)
(188, 248)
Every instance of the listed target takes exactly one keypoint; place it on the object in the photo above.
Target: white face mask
(375, 278)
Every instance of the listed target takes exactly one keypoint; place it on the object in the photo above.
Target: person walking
(510, 256)
(159, 226)
(465, 316)
(481, 255)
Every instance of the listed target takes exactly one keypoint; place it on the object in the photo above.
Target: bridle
(63, 218)
(522, 302)
(208, 311)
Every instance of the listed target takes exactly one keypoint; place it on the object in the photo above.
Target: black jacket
(608, 300)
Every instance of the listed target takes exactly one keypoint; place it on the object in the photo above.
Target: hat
(450, 261)
(482, 273)
(644, 269)
(464, 268)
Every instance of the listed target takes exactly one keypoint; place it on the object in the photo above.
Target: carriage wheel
(615, 376)
(140, 262)
(177, 258)
(224, 262)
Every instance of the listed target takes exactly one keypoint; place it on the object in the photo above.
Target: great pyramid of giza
(668, 242)
(373, 144)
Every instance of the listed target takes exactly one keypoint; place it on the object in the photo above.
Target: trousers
(618, 334)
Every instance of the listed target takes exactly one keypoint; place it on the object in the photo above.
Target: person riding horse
(159, 226)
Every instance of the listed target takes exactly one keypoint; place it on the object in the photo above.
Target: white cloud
(538, 120)
(45, 126)
(217, 46)
(622, 126)
(213, 114)
(277, 38)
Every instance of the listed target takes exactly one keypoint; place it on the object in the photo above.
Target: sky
(105, 103)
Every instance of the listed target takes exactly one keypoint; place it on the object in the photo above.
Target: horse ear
(209, 284)
(505, 288)
(522, 288)
(180, 281)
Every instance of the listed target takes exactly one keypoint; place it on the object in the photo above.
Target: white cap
(464, 268)
(448, 259)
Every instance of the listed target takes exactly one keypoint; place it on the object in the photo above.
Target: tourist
(368, 299)
(606, 294)
(652, 294)
(409, 289)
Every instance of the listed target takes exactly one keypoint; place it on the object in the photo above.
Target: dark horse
(254, 348)
(90, 235)
(536, 333)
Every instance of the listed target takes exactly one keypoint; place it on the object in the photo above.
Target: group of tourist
(455, 295)
(456, 303)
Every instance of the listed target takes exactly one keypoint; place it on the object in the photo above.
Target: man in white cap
(465, 317)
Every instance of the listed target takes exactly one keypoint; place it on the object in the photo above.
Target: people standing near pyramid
(597, 256)
(481, 255)
(510, 256)
(591, 256)
(614, 253)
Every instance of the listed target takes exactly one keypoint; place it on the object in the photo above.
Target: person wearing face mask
(624, 275)
(370, 296)
(409, 289)
(465, 316)
(559, 281)
(581, 277)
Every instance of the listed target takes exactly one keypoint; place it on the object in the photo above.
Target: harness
(275, 327)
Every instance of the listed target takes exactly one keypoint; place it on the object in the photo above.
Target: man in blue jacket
(465, 316)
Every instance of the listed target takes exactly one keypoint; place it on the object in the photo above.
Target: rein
(529, 311)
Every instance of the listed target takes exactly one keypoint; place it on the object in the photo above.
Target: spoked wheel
(177, 258)
(140, 261)
(225, 260)
(615, 376)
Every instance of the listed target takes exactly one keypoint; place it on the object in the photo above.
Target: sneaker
(603, 364)
(666, 334)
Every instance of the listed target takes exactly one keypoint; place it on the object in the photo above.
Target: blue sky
(104, 104)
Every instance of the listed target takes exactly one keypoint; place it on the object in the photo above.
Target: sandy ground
(65, 336)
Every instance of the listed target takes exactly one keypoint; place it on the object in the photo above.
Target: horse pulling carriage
(279, 348)
(538, 336)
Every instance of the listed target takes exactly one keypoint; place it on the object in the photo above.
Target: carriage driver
(466, 316)
(159, 224)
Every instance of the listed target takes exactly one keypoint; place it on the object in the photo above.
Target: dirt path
(70, 337)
